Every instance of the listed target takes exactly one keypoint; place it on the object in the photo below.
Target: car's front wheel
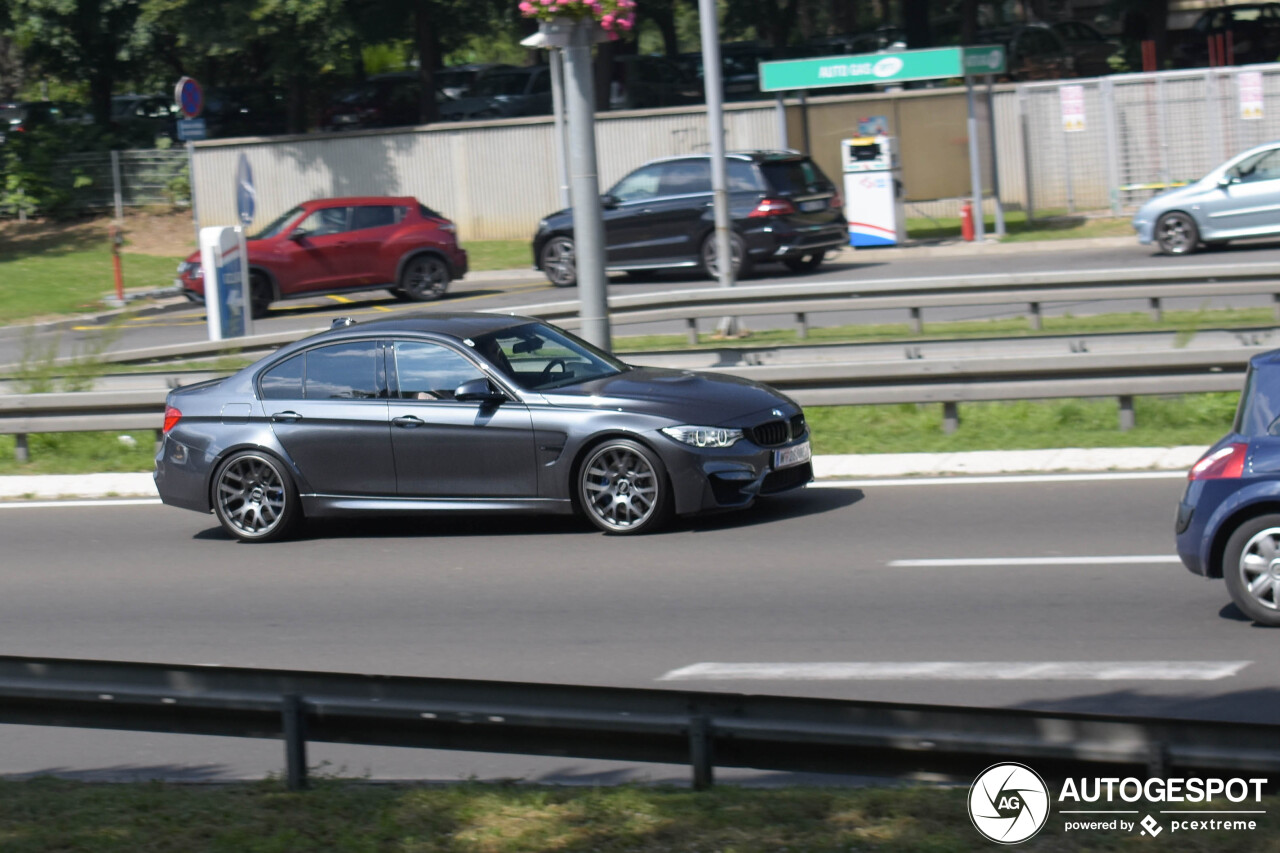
(1177, 234)
(425, 278)
(254, 497)
(1251, 568)
(622, 487)
(558, 261)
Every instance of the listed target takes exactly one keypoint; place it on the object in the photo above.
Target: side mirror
(298, 235)
(478, 391)
(608, 202)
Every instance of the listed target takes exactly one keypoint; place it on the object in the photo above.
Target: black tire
(623, 488)
(737, 251)
(261, 295)
(558, 261)
(1177, 234)
(254, 497)
(808, 263)
(424, 279)
(1251, 568)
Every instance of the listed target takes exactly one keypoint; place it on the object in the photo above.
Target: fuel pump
(873, 191)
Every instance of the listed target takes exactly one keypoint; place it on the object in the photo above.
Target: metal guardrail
(947, 381)
(702, 729)
(913, 294)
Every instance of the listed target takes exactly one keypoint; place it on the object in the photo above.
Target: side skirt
(318, 506)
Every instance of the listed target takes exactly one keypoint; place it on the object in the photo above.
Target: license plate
(811, 206)
(789, 456)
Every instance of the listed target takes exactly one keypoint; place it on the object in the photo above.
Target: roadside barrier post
(294, 717)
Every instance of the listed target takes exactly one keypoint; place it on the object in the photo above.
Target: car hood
(250, 245)
(685, 396)
(1177, 196)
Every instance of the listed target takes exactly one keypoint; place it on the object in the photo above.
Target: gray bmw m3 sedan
(437, 412)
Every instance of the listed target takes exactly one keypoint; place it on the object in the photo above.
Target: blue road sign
(246, 195)
(189, 97)
(191, 129)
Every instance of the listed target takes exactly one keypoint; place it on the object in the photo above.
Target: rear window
(1259, 402)
(794, 177)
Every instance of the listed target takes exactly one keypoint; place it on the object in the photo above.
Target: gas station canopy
(931, 64)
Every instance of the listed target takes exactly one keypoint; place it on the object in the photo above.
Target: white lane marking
(961, 671)
(77, 504)
(949, 562)
(962, 480)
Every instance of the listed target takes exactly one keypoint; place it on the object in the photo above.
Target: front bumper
(1146, 229)
(707, 479)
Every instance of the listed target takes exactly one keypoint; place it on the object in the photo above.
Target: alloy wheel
(425, 279)
(252, 497)
(559, 262)
(621, 488)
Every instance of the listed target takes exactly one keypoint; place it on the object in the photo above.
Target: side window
(640, 184)
(1266, 169)
(742, 177)
(686, 177)
(541, 82)
(375, 216)
(284, 381)
(327, 220)
(426, 371)
(346, 371)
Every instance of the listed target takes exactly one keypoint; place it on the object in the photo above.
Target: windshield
(538, 357)
(500, 84)
(277, 225)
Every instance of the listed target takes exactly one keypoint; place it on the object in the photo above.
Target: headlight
(195, 269)
(703, 436)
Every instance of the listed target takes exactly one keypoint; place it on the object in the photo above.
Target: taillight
(1226, 463)
(773, 207)
(171, 417)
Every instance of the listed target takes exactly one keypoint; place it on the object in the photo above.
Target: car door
(1250, 201)
(664, 225)
(371, 226)
(316, 253)
(328, 409)
(446, 448)
(626, 212)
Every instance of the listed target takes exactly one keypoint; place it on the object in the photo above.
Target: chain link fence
(1111, 143)
(108, 181)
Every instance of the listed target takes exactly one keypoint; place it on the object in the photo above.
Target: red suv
(335, 244)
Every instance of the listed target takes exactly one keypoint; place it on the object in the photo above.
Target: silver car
(471, 413)
(1240, 198)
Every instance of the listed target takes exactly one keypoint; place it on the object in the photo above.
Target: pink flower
(526, 7)
(625, 23)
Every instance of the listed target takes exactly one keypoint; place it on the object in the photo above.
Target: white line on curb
(962, 480)
(962, 671)
(76, 504)
(949, 562)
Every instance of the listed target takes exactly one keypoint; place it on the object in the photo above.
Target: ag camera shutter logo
(887, 67)
(1008, 803)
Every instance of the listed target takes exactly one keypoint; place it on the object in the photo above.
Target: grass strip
(341, 815)
(1193, 419)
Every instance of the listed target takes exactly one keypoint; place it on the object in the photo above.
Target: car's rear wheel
(1251, 568)
(558, 261)
(737, 251)
(622, 487)
(260, 295)
(807, 263)
(425, 278)
(254, 497)
(1176, 233)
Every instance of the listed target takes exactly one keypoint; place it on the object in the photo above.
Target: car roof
(457, 324)
(752, 156)
(358, 199)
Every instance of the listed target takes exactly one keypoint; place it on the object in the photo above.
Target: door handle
(286, 417)
(408, 422)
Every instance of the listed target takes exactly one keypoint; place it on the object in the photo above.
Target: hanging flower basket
(613, 16)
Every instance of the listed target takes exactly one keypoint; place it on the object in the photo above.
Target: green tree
(92, 40)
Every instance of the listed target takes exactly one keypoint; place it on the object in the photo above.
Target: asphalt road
(813, 578)
(486, 291)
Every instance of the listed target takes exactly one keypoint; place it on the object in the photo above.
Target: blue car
(1229, 518)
